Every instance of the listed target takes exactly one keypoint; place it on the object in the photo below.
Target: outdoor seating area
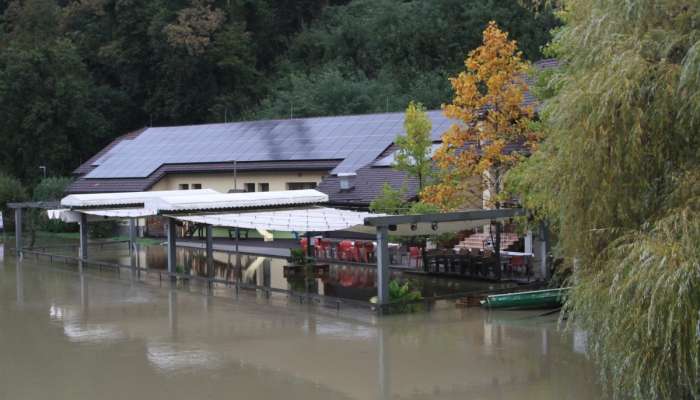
(477, 263)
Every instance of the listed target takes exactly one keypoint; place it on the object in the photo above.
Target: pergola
(295, 211)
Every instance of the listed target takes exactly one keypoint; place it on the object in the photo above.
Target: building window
(184, 186)
(249, 187)
(301, 185)
(196, 186)
(263, 187)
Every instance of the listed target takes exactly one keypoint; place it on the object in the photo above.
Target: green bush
(11, 190)
(52, 189)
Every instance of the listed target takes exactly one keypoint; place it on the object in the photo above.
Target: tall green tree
(413, 155)
(50, 108)
(619, 173)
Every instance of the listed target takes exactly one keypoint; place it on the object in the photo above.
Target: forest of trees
(74, 74)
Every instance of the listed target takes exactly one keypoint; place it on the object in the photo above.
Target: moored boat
(548, 298)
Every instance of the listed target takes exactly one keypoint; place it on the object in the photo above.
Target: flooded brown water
(71, 335)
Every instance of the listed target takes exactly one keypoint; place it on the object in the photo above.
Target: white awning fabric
(127, 198)
(301, 220)
(122, 213)
(67, 215)
(320, 219)
(230, 201)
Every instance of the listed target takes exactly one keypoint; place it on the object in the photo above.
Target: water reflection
(343, 281)
(206, 347)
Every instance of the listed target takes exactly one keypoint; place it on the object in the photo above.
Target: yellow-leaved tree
(494, 128)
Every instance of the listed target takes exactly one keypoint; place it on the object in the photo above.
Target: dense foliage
(488, 103)
(74, 74)
(50, 189)
(618, 173)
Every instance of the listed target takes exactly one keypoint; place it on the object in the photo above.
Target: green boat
(548, 298)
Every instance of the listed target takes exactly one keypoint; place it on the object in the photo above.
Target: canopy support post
(497, 250)
(210, 251)
(238, 237)
(170, 227)
(309, 249)
(382, 266)
(132, 236)
(83, 253)
(18, 231)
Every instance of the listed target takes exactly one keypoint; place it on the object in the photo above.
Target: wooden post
(382, 265)
(170, 230)
(18, 231)
(210, 251)
(83, 237)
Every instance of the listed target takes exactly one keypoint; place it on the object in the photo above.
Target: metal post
(170, 228)
(238, 236)
(83, 252)
(382, 265)
(210, 251)
(309, 249)
(18, 231)
(132, 236)
(497, 250)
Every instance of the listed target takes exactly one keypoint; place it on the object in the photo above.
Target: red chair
(322, 248)
(518, 262)
(368, 252)
(415, 253)
(344, 250)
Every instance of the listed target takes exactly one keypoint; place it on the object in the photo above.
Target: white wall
(223, 182)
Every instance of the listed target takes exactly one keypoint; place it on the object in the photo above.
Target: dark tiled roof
(368, 185)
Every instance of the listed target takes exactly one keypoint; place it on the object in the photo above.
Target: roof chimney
(347, 180)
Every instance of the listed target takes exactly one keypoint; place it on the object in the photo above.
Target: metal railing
(300, 297)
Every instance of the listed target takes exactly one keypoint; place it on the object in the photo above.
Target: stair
(479, 240)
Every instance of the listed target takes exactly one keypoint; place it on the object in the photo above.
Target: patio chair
(346, 250)
(367, 251)
(518, 264)
(415, 253)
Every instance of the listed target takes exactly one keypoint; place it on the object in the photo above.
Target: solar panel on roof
(356, 140)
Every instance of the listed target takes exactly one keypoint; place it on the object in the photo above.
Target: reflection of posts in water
(172, 311)
(19, 274)
(545, 341)
(84, 295)
(383, 363)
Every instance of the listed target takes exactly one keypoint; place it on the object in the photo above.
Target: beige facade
(223, 182)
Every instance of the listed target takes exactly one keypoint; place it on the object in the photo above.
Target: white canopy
(300, 220)
(196, 202)
(321, 219)
(127, 198)
(67, 215)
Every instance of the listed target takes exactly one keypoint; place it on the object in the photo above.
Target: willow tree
(488, 103)
(620, 173)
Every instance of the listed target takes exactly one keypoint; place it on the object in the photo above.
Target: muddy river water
(67, 334)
